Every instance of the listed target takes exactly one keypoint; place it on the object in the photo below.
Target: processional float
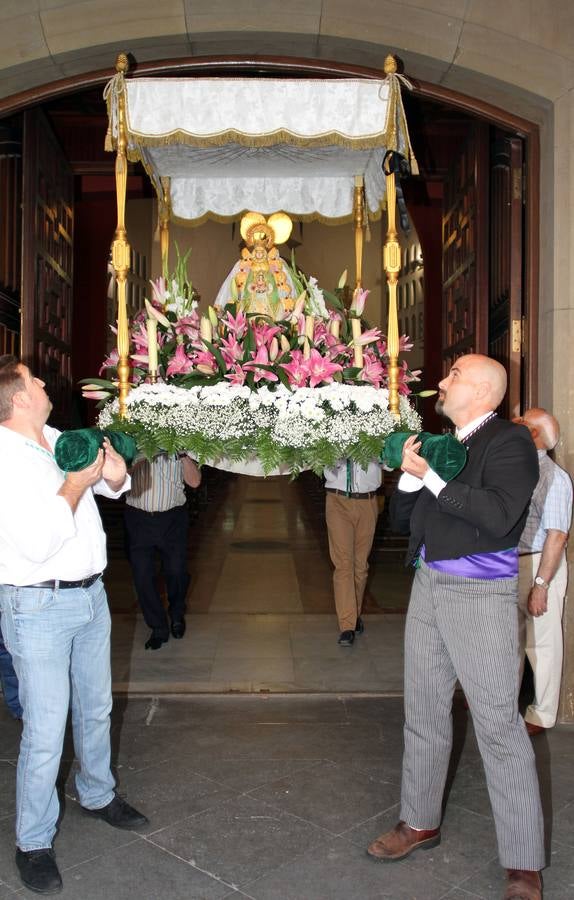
(311, 148)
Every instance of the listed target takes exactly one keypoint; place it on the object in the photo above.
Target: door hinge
(519, 335)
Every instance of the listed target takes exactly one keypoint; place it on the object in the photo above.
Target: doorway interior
(261, 591)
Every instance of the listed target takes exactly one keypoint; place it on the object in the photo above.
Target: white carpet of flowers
(304, 428)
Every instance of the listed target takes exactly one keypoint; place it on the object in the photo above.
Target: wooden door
(505, 318)
(47, 270)
(465, 250)
(483, 255)
(10, 236)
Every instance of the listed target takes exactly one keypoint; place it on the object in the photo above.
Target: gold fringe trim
(282, 136)
(298, 217)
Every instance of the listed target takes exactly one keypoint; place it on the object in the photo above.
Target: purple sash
(488, 566)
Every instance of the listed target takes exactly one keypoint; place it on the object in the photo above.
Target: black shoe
(156, 639)
(359, 627)
(346, 638)
(119, 814)
(178, 628)
(38, 870)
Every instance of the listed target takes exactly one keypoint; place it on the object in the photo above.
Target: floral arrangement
(305, 428)
(301, 391)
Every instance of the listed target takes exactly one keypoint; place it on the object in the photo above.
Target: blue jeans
(9, 681)
(60, 645)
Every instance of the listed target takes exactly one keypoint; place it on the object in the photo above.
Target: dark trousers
(9, 681)
(165, 533)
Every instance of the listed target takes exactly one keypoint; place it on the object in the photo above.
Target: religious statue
(260, 282)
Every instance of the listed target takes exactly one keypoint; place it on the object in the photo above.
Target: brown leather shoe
(533, 729)
(523, 885)
(401, 841)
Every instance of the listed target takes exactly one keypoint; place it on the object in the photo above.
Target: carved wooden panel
(48, 222)
(506, 248)
(10, 235)
(464, 251)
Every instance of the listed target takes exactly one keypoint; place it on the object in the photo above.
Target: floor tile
(337, 871)
(140, 870)
(240, 840)
(330, 796)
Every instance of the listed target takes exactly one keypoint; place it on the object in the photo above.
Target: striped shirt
(550, 507)
(353, 478)
(157, 486)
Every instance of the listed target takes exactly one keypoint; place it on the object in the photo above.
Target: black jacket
(484, 508)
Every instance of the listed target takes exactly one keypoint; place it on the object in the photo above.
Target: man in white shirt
(351, 511)
(543, 572)
(55, 619)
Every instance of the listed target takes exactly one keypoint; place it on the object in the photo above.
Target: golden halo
(281, 225)
(249, 219)
(261, 232)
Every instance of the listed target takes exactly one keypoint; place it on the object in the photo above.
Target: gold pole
(164, 213)
(359, 216)
(392, 267)
(120, 246)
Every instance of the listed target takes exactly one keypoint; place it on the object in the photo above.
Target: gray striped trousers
(468, 629)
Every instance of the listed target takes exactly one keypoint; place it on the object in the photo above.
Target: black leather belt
(351, 494)
(57, 584)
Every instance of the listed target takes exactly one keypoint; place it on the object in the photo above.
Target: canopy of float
(233, 144)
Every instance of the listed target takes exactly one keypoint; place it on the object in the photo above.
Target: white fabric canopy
(230, 145)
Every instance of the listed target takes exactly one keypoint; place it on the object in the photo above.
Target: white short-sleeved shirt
(40, 537)
(550, 507)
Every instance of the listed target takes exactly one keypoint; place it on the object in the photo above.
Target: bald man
(462, 623)
(543, 572)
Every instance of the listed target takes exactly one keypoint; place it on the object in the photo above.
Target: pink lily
(94, 395)
(369, 337)
(188, 326)
(359, 299)
(236, 375)
(236, 324)
(405, 376)
(231, 349)
(320, 333)
(320, 370)
(405, 343)
(335, 348)
(205, 362)
(372, 370)
(139, 336)
(296, 369)
(159, 290)
(264, 334)
(155, 313)
(262, 356)
(180, 363)
(110, 362)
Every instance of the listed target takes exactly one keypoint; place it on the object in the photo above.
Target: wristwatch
(541, 583)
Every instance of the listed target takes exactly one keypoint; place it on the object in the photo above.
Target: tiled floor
(261, 612)
(275, 798)
(279, 759)
(246, 652)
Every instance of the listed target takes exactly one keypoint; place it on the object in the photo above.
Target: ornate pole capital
(390, 65)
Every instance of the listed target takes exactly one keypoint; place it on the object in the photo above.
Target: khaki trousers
(542, 640)
(351, 528)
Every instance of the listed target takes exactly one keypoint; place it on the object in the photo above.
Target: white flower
(316, 302)
(336, 414)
